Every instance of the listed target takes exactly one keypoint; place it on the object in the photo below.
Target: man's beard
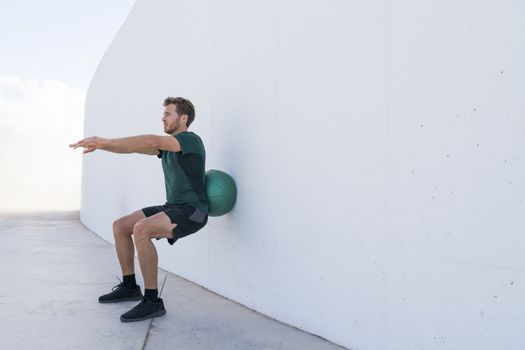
(171, 130)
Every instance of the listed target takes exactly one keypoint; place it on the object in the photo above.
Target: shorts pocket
(198, 216)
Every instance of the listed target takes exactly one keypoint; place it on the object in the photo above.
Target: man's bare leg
(128, 290)
(122, 232)
(156, 226)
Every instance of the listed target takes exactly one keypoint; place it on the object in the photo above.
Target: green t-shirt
(184, 172)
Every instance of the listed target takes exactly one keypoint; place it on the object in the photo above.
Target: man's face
(171, 120)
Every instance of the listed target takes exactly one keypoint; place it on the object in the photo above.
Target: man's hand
(91, 143)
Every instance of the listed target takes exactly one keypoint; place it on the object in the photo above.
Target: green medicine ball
(221, 192)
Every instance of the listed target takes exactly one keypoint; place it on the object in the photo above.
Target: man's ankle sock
(129, 281)
(151, 294)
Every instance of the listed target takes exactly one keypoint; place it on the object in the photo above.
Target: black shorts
(188, 218)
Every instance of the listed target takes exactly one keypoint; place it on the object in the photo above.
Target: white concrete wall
(378, 149)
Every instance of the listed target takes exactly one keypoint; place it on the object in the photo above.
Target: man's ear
(184, 118)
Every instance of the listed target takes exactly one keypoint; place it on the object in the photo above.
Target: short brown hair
(182, 106)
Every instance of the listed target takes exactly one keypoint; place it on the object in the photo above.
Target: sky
(49, 51)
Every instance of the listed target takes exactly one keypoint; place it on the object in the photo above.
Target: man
(185, 212)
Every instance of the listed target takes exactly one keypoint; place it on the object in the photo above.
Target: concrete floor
(54, 269)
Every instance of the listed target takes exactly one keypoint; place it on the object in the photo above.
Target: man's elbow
(153, 142)
(148, 145)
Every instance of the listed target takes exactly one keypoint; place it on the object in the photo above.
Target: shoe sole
(155, 314)
(109, 301)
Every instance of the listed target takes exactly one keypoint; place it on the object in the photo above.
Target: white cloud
(38, 119)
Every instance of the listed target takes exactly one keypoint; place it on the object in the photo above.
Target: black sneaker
(144, 310)
(121, 293)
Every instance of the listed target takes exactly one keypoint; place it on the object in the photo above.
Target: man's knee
(140, 232)
(120, 228)
(123, 227)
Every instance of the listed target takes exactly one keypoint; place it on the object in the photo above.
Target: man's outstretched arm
(145, 144)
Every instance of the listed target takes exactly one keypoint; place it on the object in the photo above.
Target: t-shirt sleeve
(189, 142)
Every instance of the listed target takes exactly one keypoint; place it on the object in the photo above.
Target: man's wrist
(108, 144)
